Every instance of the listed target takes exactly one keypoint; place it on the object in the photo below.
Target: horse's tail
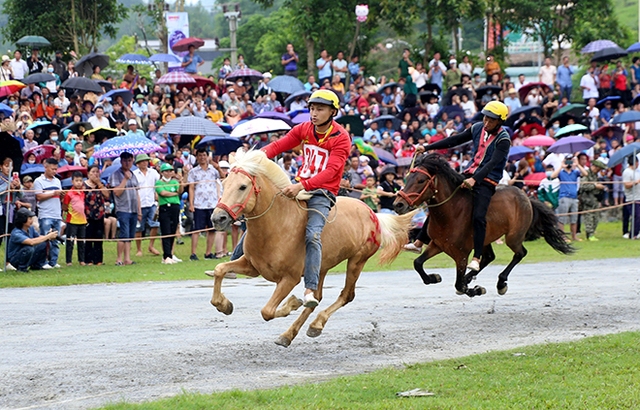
(394, 233)
(544, 224)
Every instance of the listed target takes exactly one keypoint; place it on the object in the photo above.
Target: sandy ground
(84, 346)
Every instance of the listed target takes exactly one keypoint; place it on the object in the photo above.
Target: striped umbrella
(245, 73)
(597, 45)
(192, 126)
(133, 59)
(133, 144)
(164, 58)
(176, 77)
(10, 87)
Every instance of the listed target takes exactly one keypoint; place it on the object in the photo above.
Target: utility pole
(232, 13)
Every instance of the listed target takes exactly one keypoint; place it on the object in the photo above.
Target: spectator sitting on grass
(26, 248)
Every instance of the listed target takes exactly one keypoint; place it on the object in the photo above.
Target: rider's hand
(468, 183)
(292, 191)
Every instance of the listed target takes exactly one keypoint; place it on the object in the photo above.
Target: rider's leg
(482, 194)
(319, 206)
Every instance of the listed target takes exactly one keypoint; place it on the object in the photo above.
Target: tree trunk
(428, 44)
(351, 50)
(76, 47)
(310, 44)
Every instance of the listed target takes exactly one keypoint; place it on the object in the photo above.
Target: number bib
(315, 160)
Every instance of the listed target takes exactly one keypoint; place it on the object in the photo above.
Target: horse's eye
(421, 180)
(243, 187)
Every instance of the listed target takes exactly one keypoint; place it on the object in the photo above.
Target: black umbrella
(352, 123)
(434, 88)
(381, 120)
(609, 53)
(38, 78)
(481, 91)
(388, 85)
(425, 96)
(517, 113)
(75, 127)
(107, 85)
(10, 149)
(452, 111)
(84, 66)
(82, 84)
(292, 97)
(446, 100)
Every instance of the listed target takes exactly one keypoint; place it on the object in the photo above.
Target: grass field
(594, 373)
(149, 268)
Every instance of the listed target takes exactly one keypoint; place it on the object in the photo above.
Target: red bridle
(254, 187)
(413, 198)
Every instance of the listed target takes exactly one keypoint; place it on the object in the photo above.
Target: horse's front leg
(431, 251)
(241, 266)
(461, 281)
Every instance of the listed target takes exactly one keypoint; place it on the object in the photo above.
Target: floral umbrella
(129, 143)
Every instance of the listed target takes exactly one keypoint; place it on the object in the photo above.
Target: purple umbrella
(300, 118)
(597, 45)
(275, 115)
(164, 58)
(569, 145)
(385, 156)
(518, 152)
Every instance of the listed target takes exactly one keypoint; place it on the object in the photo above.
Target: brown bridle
(241, 206)
(413, 198)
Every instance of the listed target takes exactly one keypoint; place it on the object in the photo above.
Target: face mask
(556, 126)
(12, 103)
(403, 127)
(32, 161)
(454, 159)
(267, 98)
(50, 69)
(185, 154)
(603, 155)
(240, 83)
(548, 174)
(54, 138)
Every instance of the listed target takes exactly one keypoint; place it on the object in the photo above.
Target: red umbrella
(183, 45)
(68, 170)
(602, 131)
(202, 81)
(41, 152)
(535, 178)
(538, 141)
(10, 87)
(530, 127)
(524, 90)
(176, 77)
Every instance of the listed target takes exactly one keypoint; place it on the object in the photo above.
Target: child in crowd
(370, 193)
(76, 220)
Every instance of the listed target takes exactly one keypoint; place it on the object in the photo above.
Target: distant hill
(627, 12)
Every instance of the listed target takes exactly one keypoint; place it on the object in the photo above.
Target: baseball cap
(25, 212)
(166, 167)
(139, 96)
(266, 75)
(224, 164)
(26, 179)
(364, 158)
(132, 122)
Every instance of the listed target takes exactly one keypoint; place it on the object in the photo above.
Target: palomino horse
(511, 213)
(274, 246)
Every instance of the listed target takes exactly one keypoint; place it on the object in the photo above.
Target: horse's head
(239, 196)
(421, 183)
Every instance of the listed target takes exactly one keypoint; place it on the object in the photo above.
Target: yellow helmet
(325, 97)
(496, 109)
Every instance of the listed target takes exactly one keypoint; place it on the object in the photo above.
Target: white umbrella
(259, 126)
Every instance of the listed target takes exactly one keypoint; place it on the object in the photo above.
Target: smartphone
(16, 176)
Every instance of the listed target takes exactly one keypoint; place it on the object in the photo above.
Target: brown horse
(274, 245)
(511, 213)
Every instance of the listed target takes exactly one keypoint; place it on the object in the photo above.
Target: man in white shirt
(19, 66)
(340, 67)
(147, 178)
(548, 73)
(98, 119)
(589, 85)
(520, 83)
(631, 183)
(436, 61)
(512, 101)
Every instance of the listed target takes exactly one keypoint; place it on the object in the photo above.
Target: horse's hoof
(283, 341)
(479, 290)
(436, 278)
(228, 310)
(459, 292)
(210, 273)
(311, 332)
(297, 303)
(502, 291)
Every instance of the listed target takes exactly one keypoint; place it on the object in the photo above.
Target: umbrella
(633, 48)
(385, 156)
(451, 110)
(276, 116)
(446, 100)
(225, 127)
(534, 178)
(192, 126)
(6, 110)
(293, 114)
(67, 171)
(575, 110)
(518, 112)
(10, 87)
(245, 73)
(519, 152)
(133, 59)
(481, 91)
(624, 152)
(126, 95)
(75, 127)
(299, 119)
(115, 165)
(259, 126)
(609, 98)
(377, 96)
(183, 45)
(41, 152)
(538, 141)
(44, 128)
(101, 133)
(176, 77)
(571, 129)
(107, 85)
(221, 145)
(597, 45)
(426, 95)
(364, 148)
(33, 42)
(609, 53)
(203, 81)
(387, 85)
(625, 117)
(38, 78)
(10, 149)
(569, 145)
(34, 171)
(84, 66)
(297, 94)
(533, 126)
(604, 130)
(286, 84)
(434, 88)
(82, 84)
(381, 120)
(352, 123)
(164, 58)
(525, 89)
(133, 144)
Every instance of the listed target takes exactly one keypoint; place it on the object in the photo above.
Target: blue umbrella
(299, 119)
(570, 129)
(384, 118)
(625, 117)
(519, 152)
(224, 126)
(221, 145)
(597, 45)
(5, 109)
(191, 126)
(634, 48)
(35, 169)
(164, 58)
(133, 59)
(115, 165)
(292, 97)
(276, 116)
(133, 144)
(292, 114)
(126, 95)
(609, 98)
(385, 156)
(569, 145)
(286, 84)
(624, 152)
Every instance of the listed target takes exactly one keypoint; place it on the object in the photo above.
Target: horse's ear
(239, 153)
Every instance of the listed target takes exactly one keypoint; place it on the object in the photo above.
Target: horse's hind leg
(354, 268)
(431, 251)
(241, 266)
(283, 288)
(488, 256)
(519, 252)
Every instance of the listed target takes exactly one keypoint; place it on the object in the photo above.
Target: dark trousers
(93, 250)
(168, 216)
(30, 257)
(627, 211)
(482, 193)
(75, 233)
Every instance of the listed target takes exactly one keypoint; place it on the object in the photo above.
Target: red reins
(413, 198)
(240, 206)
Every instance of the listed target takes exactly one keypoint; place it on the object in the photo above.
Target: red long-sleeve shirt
(324, 155)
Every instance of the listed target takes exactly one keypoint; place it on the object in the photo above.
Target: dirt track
(84, 346)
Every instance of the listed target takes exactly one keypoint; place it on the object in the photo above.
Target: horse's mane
(437, 164)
